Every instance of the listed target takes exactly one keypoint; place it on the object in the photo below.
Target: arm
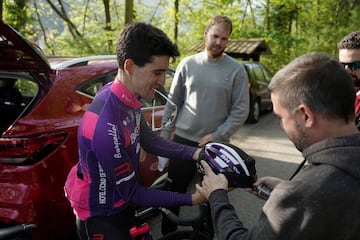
(157, 145)
(176, 95)
(214, 188)
(280, 218)
(227, 224)
(160, 146)
(117, 163)
(239, 109)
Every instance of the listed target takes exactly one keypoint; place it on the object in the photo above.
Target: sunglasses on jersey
(353, 66)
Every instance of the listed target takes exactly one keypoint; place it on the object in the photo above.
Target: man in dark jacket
(314, 98)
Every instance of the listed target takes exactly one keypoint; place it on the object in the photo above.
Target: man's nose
(218, 41)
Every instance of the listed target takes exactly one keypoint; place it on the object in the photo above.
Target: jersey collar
(118, 88)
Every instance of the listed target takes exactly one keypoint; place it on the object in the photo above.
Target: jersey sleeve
(163, 147)
(118, 168)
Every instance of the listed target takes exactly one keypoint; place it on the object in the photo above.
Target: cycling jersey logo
(124, 98)
(136, 133)
(122, 169)
(102, 185)
(113, 132)
(129, 118)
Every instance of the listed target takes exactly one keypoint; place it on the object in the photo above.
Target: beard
(216, 54)
(301, 139)
(215, 51)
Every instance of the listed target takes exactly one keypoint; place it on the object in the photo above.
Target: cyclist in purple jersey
(103, 187)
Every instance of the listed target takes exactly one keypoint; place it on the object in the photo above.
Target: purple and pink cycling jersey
(105, 181)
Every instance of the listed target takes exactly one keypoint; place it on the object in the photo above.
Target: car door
(25, 76)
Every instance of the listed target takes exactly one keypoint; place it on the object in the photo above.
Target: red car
(40, 108)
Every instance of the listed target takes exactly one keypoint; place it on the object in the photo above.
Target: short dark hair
(219, 19)
(140, 42)
(318, 81)
(350, 41)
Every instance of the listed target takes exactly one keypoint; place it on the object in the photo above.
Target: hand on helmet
(237, 166)
(211, 181)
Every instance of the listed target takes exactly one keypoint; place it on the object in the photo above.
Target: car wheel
(254, 112)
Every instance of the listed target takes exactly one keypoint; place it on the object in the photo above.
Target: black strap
(298, 169)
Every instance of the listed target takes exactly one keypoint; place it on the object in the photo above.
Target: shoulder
(234, 66)
(233, 62)
(195, 57)
(191, 61)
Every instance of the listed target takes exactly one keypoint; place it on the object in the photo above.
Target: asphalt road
(275, 155)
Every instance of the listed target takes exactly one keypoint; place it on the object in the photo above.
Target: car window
(16, 94)
(17, 90)
(258, 72)
(26, 87)
(91, 87)
(267, 74)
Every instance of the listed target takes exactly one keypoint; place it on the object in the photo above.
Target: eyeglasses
(353, 66)
(172, 116)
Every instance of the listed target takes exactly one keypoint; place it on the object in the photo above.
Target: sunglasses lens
(353, 66)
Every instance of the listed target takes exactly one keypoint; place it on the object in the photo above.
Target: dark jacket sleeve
(227, 225)
(283, 216)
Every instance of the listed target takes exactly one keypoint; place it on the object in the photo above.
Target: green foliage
(290, 27)
(18, 14)
(27, 87)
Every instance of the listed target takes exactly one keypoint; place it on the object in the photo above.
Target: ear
(129, 66)
(307, 115)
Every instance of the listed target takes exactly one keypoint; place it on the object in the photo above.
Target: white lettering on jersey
(102, 185)
(113, 132)
(136, 132)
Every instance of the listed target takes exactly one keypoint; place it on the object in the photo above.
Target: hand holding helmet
(237, 166)
(211, 182)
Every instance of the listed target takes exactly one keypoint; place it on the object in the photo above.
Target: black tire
(185, 235)
(254, 112)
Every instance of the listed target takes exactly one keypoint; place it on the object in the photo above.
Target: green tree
(84, 27)
(18, 14)
(129, 11)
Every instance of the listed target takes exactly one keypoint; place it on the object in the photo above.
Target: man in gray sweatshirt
(314, 98)
(210, 90)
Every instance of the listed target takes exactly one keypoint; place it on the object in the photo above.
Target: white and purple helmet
(234, 163)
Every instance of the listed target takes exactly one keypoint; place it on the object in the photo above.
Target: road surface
(275, 155)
